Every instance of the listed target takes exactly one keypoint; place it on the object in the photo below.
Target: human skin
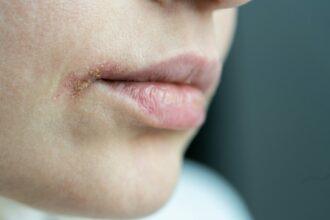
(88, 155)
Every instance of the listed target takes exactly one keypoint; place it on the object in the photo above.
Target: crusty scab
(75, 84)
(79, 85)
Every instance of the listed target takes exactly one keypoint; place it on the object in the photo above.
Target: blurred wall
(268, 129)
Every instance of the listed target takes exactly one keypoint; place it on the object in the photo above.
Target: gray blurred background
(268, 130)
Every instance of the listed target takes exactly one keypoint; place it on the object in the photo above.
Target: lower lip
(162, 105)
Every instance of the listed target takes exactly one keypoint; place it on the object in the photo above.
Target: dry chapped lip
(169, 94)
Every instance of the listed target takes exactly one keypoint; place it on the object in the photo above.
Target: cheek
(224, 25)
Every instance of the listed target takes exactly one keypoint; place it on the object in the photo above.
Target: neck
(10, 210)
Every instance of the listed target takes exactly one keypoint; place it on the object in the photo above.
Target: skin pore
(85, 155)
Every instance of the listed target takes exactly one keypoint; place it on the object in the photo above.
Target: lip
(189, 69)
(170, 94)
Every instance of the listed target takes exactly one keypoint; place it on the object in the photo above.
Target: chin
(137, 188)
(132, 197)
(123, 181)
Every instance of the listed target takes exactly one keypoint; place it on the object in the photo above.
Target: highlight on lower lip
(163, 105)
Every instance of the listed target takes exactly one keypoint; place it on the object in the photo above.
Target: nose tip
(231, 3)
(222, 4)
(219, 4)
(207, 4)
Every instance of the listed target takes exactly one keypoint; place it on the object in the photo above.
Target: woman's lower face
(100, 99)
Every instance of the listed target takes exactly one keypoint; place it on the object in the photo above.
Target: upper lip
(192, 69)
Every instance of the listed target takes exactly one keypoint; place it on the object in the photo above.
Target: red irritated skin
(170, 94)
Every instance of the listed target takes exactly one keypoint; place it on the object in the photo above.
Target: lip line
(185, 69)
(203, 73)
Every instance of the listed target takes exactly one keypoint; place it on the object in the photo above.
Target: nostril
(162, 2)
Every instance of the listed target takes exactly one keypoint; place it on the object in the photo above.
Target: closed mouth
(187, 69)
(169, 95)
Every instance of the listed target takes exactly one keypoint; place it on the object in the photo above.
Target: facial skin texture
(89, 158)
